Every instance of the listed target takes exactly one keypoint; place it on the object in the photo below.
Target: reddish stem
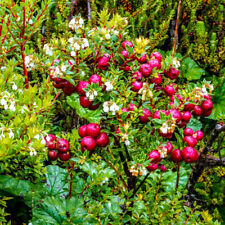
(24, 67)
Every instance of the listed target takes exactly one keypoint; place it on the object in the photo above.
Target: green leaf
(89, 115)
(191, 70)
(194, 124)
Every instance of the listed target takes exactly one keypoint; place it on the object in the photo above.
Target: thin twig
(178, 176)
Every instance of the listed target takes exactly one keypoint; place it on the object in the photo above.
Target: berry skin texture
(129, 43)
(103, 62)
(145, 69)
(102, 140)
(136, 86)
(50, 140)
(80, 87)
(156, 114)
(207, 105)
(152, 167)
(162, 168)
(190, 140)
(68, 88)
(82, 131)
(175, 114)
(88, 143)
(172, 73)
(186, 116)
(156, 55)
(93, 107)
(96, 79)
(154, 63)
(52, 155)
(93, 130)
(207, 113)
(189, 155)
(169, 90)
(156, 80)
(84, 102)
(176, 156)
(155, 156)
(169, 147)
(189, 107)
(62, 145)
(188, 132)
(142, 59)
(198, 135)
(132, 106)
(146, 116)
(137, 76)
(64, 156)
(125, 54)
(197, 111)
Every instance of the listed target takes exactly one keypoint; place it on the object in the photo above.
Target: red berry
(207, 105)
(155, 156)
(169, 147)
(68, 88)
(103, 62)
(190, 140)
(93, 130)
(82, 131)
(188, 132)
(80, 87)
(88, 143)
(175, 114)
(125, 54)
(136, 86)
(84, 102)
(186, 116)
(154, 63)
(142, 59)
(208, 97)
(146, 116)
(52, 155)
(156, 114)
(152, 167)
(189, 107)
(137, 75)
(96, 79)
(50, 140)
(198, 135)
(132, 106)
(172, 73)
(189, 155)
(128, 43)
(169, 90)
(102, 140)
(162, 168)
(156, 55)
(62, 145)
(176, 156)
(156, 80)
(64, 156)
(197, 111)
(145, 69)
(93, 107)
(207, 113)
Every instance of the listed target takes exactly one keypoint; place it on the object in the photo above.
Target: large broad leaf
(194, 124)
(218, 102)
(57, 181)
(191, 70)
(91, 116)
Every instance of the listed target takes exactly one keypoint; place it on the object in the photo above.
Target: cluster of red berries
(92, 136)
(58, 148)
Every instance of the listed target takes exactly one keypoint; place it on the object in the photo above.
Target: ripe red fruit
(156, 80)
(132, 106)
(169, 90)
(93, 130)
(64, 156)
(136, 86)
(189, 155)
(154, 63)
(84, 102)
(125, 54)
(156, 114)
(152, 167)
(178, 96)
(189, 107)
(103, 62)
(62, 145)
(162, 168)
(207, 113)
(197, 111)
(156, 55)
(137, 75)
(166, 135)
(142, 59)
(88, 143)
(182, 124)
(169, 147)
(68, 88)
(190, 140)
(96, 79)
(188, 132)
(186, 116)
(175, 114)
(82, 131)
(145, 69)
(102, 140)
(155, 156)
(207, 105)
(176, 156)
(198, 135)
(172, 73)
(50, 141)
(52, 155)
(80, 87)
(129, 43)
(207, 97)
(93, 107)
(146, 116)
(126, 68)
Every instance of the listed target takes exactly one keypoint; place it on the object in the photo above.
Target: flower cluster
(29, 61)
(91, 94)
(48, 49)
(7, 102)
(138, 169)
(4, 131)
(109, 86)
(76, 23)
(110, 107)
(78, 44)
